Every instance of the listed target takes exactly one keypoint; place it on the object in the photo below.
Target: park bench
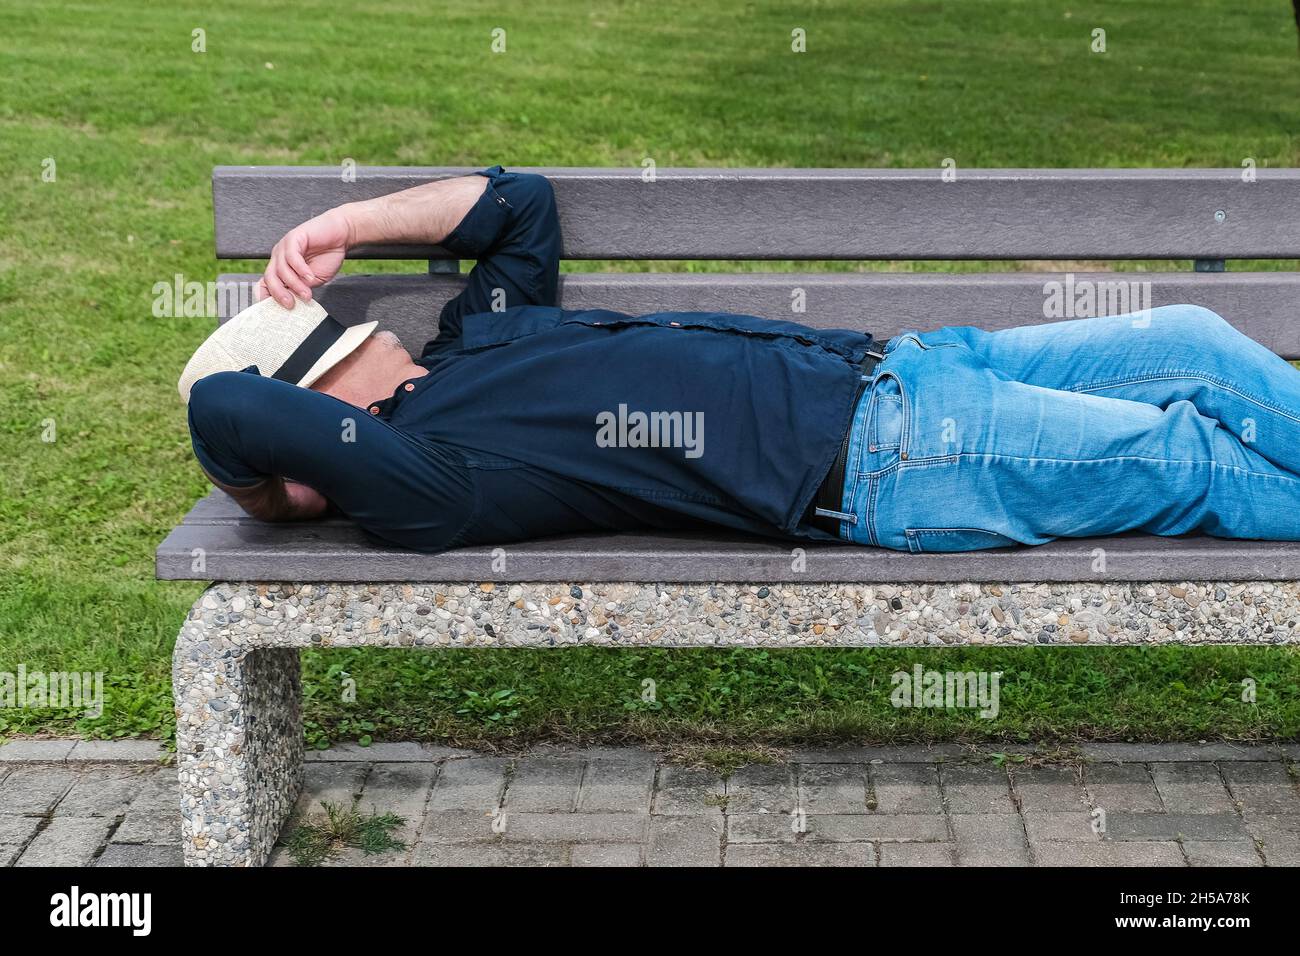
(279, 588)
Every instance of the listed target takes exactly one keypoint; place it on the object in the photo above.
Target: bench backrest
(1207, 215)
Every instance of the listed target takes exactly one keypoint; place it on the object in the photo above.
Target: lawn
(112, 99)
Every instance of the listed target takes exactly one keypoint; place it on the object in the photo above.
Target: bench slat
(828, 213)
(237, 548)
(1262, 304)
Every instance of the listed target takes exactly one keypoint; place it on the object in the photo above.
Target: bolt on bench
(279, 588)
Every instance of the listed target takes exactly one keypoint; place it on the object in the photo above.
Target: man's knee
(217, 399)
(1195, 320)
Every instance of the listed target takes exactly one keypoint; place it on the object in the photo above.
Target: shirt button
(409, 387)
(374, 409)
(676, 325)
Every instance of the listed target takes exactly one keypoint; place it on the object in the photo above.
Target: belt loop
(870, 365)
(837, 515)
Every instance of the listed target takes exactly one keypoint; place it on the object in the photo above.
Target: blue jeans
(1168, 422)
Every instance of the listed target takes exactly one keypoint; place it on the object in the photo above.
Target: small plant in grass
(316, 841)
(492, 708)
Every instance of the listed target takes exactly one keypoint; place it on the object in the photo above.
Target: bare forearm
(310, 255)
(421, 214)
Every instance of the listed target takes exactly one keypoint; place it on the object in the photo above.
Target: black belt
(830, 495)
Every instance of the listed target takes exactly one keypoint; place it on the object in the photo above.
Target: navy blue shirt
(535, 420)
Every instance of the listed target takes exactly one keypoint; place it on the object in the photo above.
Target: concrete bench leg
(239, 746)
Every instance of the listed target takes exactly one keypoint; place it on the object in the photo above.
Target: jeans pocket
(885, 431)
(940, 540)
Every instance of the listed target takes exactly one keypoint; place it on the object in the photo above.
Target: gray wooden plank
(1263, 305)
(254, 551)
(829, 213)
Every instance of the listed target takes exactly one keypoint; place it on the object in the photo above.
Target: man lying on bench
(521, 419)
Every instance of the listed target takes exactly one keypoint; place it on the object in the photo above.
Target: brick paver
(833, 788)
(613, 784)
(1263, 787)
(544, 783)
(67, 841)
(804, 854)
(1174, 826)
(102, 793)
(1192, 787)
(990, 836)
(906, 788)
(474, 784)
(685, 791)
(1048, 788)
(1116, 805)
(1277, 835)
(33, 790)
(762, 788)
(684, 841)
(978, 789)
(1126, 785)
(1061, 826)
(601, 854)
(1239, 853)
(36, 751)
(1109, 854)
(917, 854)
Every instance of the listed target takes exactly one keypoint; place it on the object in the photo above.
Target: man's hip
(946, 453)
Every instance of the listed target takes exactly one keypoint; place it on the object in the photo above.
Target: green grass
(319, 840)
(134, 121)
(742, 696)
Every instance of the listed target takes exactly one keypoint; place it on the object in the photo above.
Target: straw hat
(296, 345)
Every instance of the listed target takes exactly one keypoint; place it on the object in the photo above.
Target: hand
(309, 255)
(277, 499)
(304, 501)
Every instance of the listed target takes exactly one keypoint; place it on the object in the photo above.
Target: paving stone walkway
(1112, 804)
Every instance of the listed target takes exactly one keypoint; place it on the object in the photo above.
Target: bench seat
(235, 547)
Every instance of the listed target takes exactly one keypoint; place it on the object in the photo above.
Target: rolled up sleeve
(513, 230)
